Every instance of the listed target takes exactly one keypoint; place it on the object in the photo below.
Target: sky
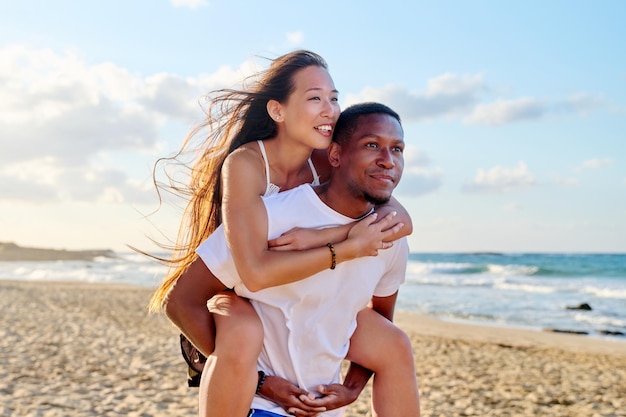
(514, 112)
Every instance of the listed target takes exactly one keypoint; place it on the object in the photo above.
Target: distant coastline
(11, 252)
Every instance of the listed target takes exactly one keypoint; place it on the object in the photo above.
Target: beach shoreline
(83, 349)
(11, 252)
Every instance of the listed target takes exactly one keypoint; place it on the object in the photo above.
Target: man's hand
(289, 397)
(334, 396)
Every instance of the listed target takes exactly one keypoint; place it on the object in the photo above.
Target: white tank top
(273, 188)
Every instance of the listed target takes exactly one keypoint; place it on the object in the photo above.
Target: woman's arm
(245, 226)
(300, 238)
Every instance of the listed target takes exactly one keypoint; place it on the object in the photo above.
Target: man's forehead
(378, 125)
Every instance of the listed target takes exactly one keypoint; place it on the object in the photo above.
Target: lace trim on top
(273, 188)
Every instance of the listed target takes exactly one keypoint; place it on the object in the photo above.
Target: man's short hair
(347, 122)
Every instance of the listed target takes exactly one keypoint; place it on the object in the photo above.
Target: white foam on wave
(452, 280)
(73, 274)
(605, 292)
(128, 268)
(600, 320)
(424, 268)
(540, 289)
(512, 269)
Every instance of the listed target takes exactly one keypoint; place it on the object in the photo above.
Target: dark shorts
(262, 413)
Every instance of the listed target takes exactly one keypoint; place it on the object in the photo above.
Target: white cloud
(190, 4)
(513, 207)
(506, 111)
(502, 111)
(414, 157)
(295, 38)
(59, 114)
(567, 182)
(418, 177)
(580, 103)
(47, 180)
(446, 95)
(499, 179)
(595, 163)
(451, 95)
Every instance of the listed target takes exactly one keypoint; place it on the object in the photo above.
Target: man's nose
(385, 158)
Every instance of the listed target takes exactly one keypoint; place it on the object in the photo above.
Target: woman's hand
(368, 236)
(290, 397)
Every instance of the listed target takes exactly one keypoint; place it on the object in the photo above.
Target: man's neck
(343, 202)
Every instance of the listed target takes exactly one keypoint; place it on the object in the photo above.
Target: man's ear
(334, 154)
(275, 110)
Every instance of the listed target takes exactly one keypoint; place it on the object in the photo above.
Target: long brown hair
(233, 118)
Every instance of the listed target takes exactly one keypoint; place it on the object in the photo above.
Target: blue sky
(514, 112)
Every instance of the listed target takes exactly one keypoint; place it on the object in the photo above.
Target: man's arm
(402, 216)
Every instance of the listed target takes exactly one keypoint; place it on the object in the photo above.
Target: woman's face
(312, 109)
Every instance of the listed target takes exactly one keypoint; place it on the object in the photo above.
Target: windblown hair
(233, 118)
(349, 118)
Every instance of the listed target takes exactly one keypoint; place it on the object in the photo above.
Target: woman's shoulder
(246, 155)
(246, 162)
(245, 168)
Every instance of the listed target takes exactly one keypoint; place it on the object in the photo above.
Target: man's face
(372, 160)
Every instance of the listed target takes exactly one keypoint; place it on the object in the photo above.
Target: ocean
(535, 291)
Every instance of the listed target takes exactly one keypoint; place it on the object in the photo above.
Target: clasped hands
(301, 403)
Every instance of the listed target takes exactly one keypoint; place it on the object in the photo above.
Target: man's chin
(377, 199)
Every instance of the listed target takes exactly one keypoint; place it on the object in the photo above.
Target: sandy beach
(77, 349)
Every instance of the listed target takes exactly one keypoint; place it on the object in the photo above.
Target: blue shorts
(263, 413)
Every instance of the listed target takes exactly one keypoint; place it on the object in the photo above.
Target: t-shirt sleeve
(216, 256)
(395, 274)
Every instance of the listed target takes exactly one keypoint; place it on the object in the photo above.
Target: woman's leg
(230, 375)
(378, 345)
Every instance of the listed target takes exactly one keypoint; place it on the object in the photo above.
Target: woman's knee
(390, 347)
(400, 343)
(239, 331)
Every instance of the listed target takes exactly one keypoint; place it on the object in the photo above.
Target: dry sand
(74, 349)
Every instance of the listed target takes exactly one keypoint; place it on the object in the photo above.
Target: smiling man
(308, 323)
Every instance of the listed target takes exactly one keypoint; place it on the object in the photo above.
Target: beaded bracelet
(333, 255)
(261, 381)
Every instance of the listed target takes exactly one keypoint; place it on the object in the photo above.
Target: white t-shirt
(308, 324)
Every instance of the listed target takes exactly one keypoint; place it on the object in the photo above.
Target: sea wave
(542, 289)
(618, 293)
(131, 269)
(469, 268)
(601, 321)
(518, 289)
(544, 265)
